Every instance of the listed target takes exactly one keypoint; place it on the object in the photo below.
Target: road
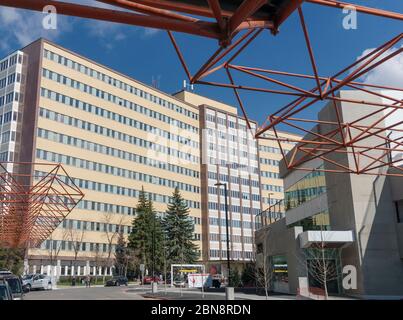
(82, 293)
(135, 292)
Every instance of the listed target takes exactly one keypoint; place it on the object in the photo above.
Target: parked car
(5, 291)
(15, 284)
(37, 281)
(117, 281)
(149, 279)
(180, 283)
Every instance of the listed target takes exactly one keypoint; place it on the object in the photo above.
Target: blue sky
(145, 54)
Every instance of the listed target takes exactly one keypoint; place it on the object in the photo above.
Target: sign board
(198, 280)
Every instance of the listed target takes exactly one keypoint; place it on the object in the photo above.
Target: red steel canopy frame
(33, 203)
(235, 24)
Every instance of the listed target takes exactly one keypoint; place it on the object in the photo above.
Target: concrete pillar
(41, 269)
(154, 287)
(303, 287)
(72, 271)
(100, 271)
(48, 270)
(79, 270)
(106, 271)
(88, 269)
(66, 270)
(94, 271)
(229, 293)
(34, 269)
(26, 266)
(111, 271)
(59, 269)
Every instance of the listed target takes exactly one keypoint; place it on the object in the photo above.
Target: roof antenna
(187, 86)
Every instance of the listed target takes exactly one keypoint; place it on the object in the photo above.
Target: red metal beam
(200, 28)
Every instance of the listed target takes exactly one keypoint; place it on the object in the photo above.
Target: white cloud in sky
(20, 27)
(389, 73)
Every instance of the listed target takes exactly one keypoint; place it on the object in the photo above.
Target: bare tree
(55, 247)
(321, 262)
(263, 267)
(76, 237)
(111, 234)
(98, 260)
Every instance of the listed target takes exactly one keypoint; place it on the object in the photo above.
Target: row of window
(117, 83)
(272, 149)
(7, 117)
(118, 135)
(114, 189)
(270, 162)
(235, 180)
(63, 245)
(214, 253)
(232, 208)
(99, 148)
(269, 174)
(5, 156)
(78, 104)
(234, 238)
(8, 136)
(270, 187)
(223, 136)
(235, 194)
(10, 61)
(10, 79)
(9, 97)
(270, 200)
(94, 226)
(222, 121)
(116, 171)
(233, 163)
(231, 223)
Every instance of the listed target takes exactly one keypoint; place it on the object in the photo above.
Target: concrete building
(356, 218)
(115, 135)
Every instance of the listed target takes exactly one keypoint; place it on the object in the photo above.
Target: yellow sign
(188, 270)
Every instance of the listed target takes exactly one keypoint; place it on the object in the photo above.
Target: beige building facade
(115, 136)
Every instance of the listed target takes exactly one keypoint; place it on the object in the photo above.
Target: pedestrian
(87, 281)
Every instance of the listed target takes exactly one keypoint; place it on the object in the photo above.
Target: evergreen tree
(121, 255)
(146, 235)
(179, 228)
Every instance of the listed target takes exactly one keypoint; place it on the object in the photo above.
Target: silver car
(37, 281)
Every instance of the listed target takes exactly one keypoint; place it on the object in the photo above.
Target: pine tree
(120, 254)
(179, 228)
(146, 235)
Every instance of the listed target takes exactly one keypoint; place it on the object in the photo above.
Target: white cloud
(389, 73)
(20, 27)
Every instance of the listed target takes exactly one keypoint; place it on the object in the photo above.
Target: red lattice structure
(235, 24)
(33, 203)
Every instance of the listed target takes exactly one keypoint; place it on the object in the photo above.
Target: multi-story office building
(352, 221)
(229, 156)
(11, 88)
(272, 185)
(115, 136)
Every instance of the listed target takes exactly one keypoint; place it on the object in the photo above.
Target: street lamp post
(226, 225)
(270, 194)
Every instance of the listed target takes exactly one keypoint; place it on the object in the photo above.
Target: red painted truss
(371, 142)
(34, 199)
